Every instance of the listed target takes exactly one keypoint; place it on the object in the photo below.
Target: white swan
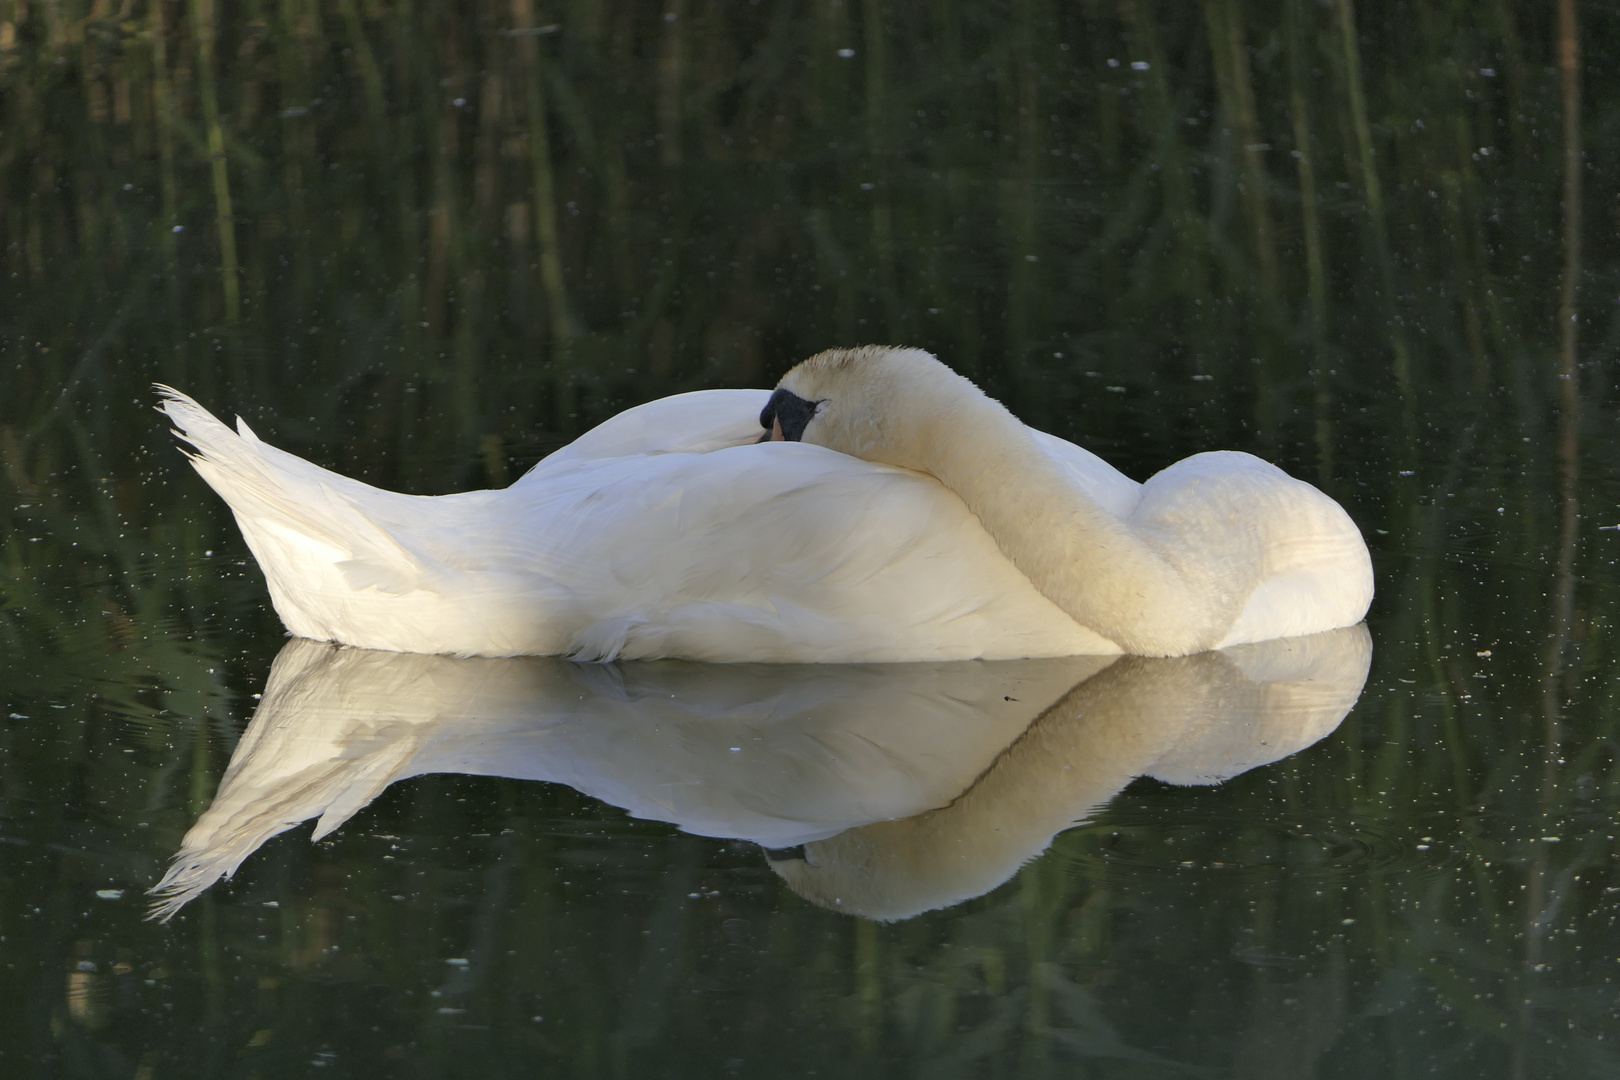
(902, 515)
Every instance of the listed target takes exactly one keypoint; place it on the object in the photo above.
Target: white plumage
(669, 531)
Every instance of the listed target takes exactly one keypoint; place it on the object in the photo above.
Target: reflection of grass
(578, 200)
(631, 206)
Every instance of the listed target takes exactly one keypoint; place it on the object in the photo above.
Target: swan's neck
(1081, 557)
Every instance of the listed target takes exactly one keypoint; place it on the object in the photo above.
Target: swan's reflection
(880, 789)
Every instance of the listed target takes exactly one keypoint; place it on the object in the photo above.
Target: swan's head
(872, 402)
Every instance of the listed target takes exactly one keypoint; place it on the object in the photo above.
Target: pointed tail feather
(306, 525)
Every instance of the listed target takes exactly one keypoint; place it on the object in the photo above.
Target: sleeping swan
(890, 512)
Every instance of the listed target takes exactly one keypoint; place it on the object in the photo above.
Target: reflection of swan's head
(1187, 720)
(895, 870)
(873, 402)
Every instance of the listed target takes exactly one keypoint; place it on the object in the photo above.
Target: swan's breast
(1286, 557)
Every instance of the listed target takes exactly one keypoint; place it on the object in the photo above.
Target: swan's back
(665, 532)
(696, 423)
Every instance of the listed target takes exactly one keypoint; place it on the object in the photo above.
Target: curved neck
(1088, 562)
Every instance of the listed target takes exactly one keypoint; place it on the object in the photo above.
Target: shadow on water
(427, 246)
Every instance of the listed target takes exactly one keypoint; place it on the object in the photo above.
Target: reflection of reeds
(352, 104)
(874, 38)
(202, 23)
(1304, 163)
(1372, 187)
(631, 192)
(163, 117)
(544, 190)
(1235, 89)
(1546, 883)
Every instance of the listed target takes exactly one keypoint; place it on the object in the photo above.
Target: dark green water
(425, 248)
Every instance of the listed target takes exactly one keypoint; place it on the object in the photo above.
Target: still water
(426, 247)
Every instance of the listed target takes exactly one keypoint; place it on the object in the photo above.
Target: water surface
(426, 248)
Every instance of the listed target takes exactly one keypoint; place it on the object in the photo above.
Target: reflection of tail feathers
(214, 849)
(828, 747)
(318, 776)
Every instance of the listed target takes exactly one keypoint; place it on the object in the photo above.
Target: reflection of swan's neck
(1189, 720)
(1076, 756)
(1080, 556)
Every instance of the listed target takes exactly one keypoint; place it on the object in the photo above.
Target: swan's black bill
(790, 411)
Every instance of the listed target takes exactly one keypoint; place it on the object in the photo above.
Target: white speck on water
(110, 894)
(846, 54)
(1140, 65)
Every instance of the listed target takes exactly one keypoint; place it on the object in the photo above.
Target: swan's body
(928, 524)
